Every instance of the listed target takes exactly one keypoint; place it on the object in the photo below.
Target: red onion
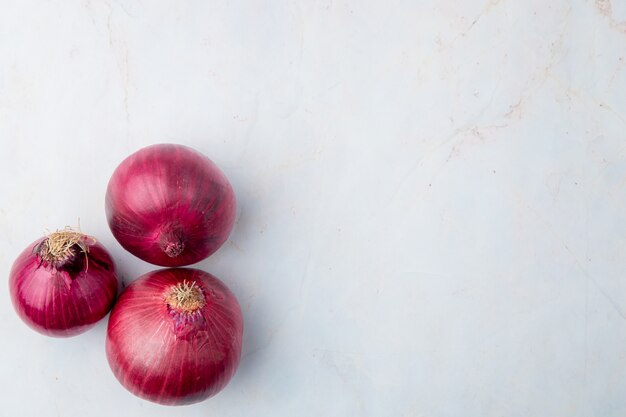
(170, 205)
(63, 283)
(174, 336)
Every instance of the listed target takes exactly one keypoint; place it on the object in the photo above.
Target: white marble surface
(432, 195)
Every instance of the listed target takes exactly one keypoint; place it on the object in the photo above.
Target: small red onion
(174, 336)
(170, 205)
(63, 283)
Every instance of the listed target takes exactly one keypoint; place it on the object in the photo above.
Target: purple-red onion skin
(170, 205)
(63, 302)
(158, 354)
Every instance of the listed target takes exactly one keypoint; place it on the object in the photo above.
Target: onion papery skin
(63, 300)
(170, 205)
(170, 357)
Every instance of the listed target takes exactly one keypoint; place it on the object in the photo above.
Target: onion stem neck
(186, 297)
(172, 244)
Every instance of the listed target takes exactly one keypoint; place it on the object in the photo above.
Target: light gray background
(432, 195)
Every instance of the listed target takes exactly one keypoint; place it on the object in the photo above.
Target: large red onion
(170, 205)
(174, 336)
(63, 283)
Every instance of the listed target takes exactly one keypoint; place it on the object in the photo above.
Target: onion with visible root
(63, 283)
(174, 336)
